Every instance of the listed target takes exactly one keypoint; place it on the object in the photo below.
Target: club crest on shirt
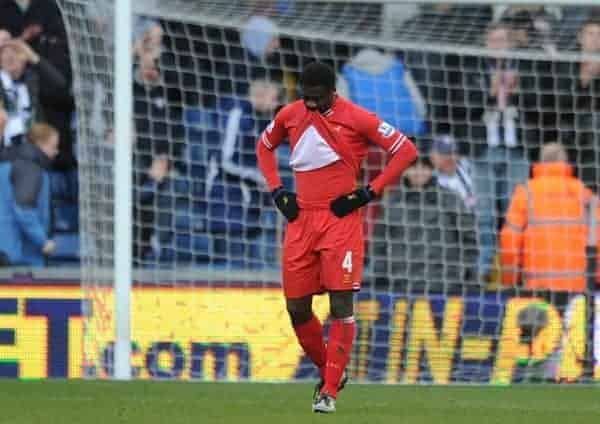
(385, 129)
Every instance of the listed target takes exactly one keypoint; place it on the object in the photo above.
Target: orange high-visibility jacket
(545, 234)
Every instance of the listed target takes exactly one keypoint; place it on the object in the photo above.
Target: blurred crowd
(503, 190)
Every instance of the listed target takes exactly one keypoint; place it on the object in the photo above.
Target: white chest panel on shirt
(312, 152)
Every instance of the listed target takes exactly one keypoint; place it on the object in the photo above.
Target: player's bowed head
(318, 86)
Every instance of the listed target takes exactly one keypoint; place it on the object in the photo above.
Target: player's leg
(300, 282)
(344, 378)
(339, 347)
(309, 330)
(342, 254)
(299, 310)
(341, 339)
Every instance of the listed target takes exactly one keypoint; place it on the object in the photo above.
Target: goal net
(473, 273)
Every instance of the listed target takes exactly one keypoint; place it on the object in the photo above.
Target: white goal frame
(124, 12)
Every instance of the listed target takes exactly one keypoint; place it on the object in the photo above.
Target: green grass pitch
(83, 402)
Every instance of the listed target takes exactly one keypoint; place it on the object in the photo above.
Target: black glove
(350, 202)
(286, 203)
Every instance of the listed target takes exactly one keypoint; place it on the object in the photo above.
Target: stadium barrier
(240, 332)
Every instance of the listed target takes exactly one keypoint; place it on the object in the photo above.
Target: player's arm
(402, 154)
(401, 151)
(266, 144)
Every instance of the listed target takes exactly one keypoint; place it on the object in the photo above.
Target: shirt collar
(330, 111)
(552, 169)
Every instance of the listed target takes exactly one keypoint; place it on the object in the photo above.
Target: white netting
(499, 81)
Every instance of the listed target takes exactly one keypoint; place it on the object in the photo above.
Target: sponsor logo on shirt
(385, 129)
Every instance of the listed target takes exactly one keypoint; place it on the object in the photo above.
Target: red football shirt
(327, 149)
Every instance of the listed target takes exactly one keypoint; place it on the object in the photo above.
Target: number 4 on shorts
(347, 262)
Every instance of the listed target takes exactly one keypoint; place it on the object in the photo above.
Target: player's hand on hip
(286, 202)
(348, 203)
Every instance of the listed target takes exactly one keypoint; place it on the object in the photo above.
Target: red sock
(310, 337)
(339, 347)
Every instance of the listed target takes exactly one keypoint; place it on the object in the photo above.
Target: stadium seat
(64, 185)
(181, 186)
(226, 213)
(184, 221)
(183, 248)
(67, 249)
(65, 207)
(198, 118)
(197, 161)
(65, 217)
(58, 184)
(202, 247)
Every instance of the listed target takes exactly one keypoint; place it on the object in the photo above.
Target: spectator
(147, 38)
(39, 23)
(380, 82)
(148, 182)
(532, 27)
(578, 87)
(544, 237)
(24, 78)
(451, 171)
(154, 182)
(260, 38)
(259, 57)
(573, 18)
(242, 123)
(231, 59)
(409, 254)
(171, 50)
(495, 90)
(233, 184)
(158, 112)
(159, 142)
(15, 95)
(25, 198)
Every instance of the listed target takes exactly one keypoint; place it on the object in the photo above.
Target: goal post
(180, 259)
(123, 100)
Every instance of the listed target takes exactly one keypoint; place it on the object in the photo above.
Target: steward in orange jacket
(543, 241)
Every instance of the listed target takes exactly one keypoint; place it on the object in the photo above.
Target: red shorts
(322, 252)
